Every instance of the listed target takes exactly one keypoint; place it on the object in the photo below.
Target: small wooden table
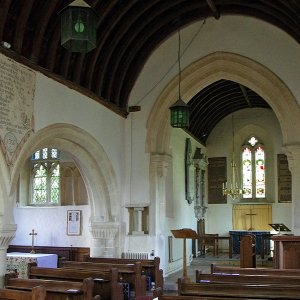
(229, 238)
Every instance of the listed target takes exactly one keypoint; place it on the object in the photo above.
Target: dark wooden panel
(216, 178)
(284, 179)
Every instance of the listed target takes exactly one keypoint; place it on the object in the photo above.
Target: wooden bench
(254, 271)
(150, 267)
(241, 290)
(180, 297)
(130, 273)
(56, 290)
(36, 293)
(246, 278)
(105, 281)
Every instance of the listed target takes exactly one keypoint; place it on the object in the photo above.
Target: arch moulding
(211, 68)
(91, 160)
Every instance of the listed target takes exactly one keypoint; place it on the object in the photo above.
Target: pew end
(37, 293)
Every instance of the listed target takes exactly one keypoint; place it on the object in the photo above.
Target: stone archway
(211, 68)
(98, 175)
(234, 67)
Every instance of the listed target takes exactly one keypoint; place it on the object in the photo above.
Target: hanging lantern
(180, 115)
(78, 27)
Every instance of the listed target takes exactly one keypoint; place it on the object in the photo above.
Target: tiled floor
(203, 264)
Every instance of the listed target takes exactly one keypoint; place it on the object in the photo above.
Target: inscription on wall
(284, 179)
(17, 88)
(216, 177)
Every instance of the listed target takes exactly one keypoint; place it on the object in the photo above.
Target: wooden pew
(150, 267)
(36, 293)
(105, 281)
(254, 271)
(56, 290)
(180, 297)
(246, 278)
(233, 290)
(130, 273)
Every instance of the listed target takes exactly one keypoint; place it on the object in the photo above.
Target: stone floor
(203, 264)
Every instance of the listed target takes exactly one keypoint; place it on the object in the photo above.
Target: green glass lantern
(180, 114)
(78, 27)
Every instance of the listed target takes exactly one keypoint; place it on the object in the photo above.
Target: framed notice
(73, 222)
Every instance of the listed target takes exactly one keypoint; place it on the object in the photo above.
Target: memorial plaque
(17, 88)
(284, 179)
(216, 178)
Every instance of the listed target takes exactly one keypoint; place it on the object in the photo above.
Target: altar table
(19, 261)
(262, 240)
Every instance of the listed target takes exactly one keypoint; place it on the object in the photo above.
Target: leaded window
(45, 177)
(253, 169)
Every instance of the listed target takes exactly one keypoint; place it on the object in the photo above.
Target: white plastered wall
(244, 50)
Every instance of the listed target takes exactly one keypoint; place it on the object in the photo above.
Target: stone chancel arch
(234, 67)
(214, 67)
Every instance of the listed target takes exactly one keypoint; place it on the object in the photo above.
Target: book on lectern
(280, 227)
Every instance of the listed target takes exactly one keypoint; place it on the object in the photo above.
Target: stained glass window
(253, 162)
(45, 177)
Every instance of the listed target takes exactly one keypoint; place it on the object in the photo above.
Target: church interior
(160, 130)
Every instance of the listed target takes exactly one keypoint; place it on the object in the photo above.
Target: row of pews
(94, 279)
(240, 283)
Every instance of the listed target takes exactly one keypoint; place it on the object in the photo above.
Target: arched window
(45, 176)
(253, 169)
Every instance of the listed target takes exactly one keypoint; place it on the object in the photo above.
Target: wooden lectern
(185, 233)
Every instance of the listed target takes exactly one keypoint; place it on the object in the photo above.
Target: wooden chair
(209, 240)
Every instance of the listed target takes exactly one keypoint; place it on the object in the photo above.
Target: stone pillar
(293, 155)
(159, 170)
(105, 243)
(138, 214)
(7, 233)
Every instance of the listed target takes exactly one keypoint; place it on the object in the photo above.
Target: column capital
(292, 152)
(104, 230)
(7, 233)
(160, 161)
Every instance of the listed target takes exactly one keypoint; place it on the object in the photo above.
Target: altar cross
(251, 214)
(32, 233)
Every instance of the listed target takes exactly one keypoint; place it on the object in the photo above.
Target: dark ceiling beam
(3, 16)
(45, 15)
(65, 63)
(22, 25)
(114, 50)
(53, 49)
(81, 57)
(156, 31)
(243, 89)
(109, 17)
(213, 8)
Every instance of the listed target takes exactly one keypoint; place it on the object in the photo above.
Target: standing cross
(251, 214)
(32, 247)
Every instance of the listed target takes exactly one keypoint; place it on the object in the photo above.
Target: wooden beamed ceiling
(128, 32)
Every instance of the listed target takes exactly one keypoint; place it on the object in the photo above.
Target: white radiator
(137, 255)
